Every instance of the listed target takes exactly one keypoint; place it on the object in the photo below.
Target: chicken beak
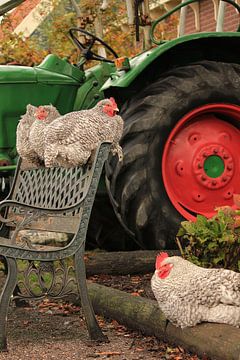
(116, 110)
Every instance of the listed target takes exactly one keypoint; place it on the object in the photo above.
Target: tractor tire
(104, 230)
(171, 126)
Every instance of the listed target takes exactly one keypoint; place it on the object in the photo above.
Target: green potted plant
(213, 242)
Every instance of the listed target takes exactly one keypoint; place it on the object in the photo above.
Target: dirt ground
(56, 330)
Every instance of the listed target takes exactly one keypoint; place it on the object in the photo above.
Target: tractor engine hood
(52, 70)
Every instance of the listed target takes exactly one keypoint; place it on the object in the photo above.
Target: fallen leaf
(108, 353)
(139, 349)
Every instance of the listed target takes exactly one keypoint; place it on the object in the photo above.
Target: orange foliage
(15, 49)
(53, 35)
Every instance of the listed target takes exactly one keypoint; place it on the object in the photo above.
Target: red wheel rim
(201, 162)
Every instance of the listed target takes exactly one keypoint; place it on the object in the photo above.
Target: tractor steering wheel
(86, 50)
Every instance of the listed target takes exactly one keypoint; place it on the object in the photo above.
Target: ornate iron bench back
(52, 188)
(53, 199)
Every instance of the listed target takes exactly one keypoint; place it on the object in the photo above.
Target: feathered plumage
(30, 132)
(44, 115)
(22, 134)
(71, 139)
(188, 294)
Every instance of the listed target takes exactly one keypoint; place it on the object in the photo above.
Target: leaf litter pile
(57, 330)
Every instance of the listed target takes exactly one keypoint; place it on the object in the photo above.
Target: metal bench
(48, 199)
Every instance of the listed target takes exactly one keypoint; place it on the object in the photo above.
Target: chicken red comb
(113, 101)
(162, 256)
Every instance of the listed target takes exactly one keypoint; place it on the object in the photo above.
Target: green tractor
(180, 101)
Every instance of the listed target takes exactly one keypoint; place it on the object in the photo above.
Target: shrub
(213, 242)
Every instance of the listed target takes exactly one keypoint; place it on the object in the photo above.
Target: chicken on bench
(49, 199)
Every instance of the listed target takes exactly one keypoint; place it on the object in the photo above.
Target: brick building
(202, 15)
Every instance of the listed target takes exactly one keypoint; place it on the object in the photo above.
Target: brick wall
(207, 20)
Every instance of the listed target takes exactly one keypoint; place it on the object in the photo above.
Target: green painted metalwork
(52, 70)
(8, 168)
(90, 92)
(60, 67)
(214, 166)
(139, 63)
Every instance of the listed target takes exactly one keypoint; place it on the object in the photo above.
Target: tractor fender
(147, 66)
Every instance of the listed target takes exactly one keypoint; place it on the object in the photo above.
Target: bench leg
(5, 297)
(18, 302)
(94, 329)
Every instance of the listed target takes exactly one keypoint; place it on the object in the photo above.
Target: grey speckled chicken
(44, 115)
(188, 294)
(71, 139)
(22, 134)
(30, 132)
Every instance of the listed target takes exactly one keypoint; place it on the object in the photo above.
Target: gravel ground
(56, 330)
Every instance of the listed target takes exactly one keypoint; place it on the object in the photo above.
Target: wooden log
(216, 341)
(122, 262)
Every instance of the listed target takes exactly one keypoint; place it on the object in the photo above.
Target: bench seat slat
(58, 223)
(7, 242)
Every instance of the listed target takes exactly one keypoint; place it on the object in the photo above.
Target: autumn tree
(52, 34)
(15, 49)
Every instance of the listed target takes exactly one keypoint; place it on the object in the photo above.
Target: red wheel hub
(201, 166)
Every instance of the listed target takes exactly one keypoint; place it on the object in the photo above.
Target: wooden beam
(122, 262)
(216, 341)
